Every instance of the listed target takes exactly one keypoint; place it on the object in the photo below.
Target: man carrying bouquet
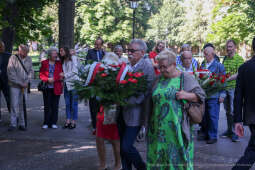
(212, 104)
(132, 113)
(231, 63)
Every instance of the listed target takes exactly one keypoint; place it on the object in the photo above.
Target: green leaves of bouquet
(107, 89)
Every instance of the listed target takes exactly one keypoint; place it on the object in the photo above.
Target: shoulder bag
(195, 110)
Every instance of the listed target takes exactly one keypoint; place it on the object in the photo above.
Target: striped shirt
(180, 66)
(231, 66)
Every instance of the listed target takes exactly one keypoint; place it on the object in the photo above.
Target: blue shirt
(51, 74)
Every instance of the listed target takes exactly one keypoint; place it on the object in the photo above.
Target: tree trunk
(10, 13)
(66, 23)
(8, 35)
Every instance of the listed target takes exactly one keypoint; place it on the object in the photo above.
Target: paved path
(64, 149)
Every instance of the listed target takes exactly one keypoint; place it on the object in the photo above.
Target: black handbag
(42, 86)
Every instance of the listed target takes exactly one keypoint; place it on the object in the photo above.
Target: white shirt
(70, 69)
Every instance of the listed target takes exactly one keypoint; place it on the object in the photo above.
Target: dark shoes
(72, 126)
(69, 125)
(66, 125)
(211, 141)
(230, 135)
(22, 128)
(235, 138)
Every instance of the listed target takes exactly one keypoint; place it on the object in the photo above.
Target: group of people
(158, 112)
(56, 72)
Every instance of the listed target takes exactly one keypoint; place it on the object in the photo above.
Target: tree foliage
(22, 19)
(105, 18)
(197, 21)
(165, 25)
(232, 20)
(112, 20)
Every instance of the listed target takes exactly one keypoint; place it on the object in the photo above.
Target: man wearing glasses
(132, 114)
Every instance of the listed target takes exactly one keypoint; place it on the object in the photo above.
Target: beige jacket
(16, 74)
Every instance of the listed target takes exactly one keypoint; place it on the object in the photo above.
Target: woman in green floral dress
(169, 146)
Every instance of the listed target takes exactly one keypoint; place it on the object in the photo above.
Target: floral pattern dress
(168, 149)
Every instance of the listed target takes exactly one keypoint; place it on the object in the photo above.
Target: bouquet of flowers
(210, 82)
(111, 84)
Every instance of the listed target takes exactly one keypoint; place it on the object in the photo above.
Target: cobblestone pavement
(64, 149)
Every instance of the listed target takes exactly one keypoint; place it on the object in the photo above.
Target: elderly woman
(118, 50)
(169, 146)
(51, 72)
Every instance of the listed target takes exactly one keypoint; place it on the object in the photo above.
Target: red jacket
(44, 75)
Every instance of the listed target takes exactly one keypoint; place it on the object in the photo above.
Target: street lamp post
(134, 5)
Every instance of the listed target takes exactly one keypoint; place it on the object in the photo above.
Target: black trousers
(51, 103)
(248, 159)
(94, 109)
(4, 87)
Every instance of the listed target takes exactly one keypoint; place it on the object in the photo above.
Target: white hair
(51, 49)
(118, 47)
(209, 50)
(142, 45)
(167, 55)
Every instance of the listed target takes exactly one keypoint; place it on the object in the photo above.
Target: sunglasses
(132, 50)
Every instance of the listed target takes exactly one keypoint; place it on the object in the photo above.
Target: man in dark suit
(95, 54)
(244, 109)
(4, 87)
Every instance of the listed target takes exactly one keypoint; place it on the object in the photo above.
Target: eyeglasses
(132, 50)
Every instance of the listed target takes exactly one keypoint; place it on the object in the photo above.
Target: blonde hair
(2, 47)
(168, 55)
(24, 48)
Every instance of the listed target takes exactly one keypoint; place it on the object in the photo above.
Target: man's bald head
(210, 50)
(209, 54)
(186, 54)
(186, 58)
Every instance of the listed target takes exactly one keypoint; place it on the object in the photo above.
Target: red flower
(101, 68)
(211, 83)
(202, 70)
(130, 74)
(132, 80)
(201, 75)
(138, 74)
(123, 82)
(103, 75)
(223, 80)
